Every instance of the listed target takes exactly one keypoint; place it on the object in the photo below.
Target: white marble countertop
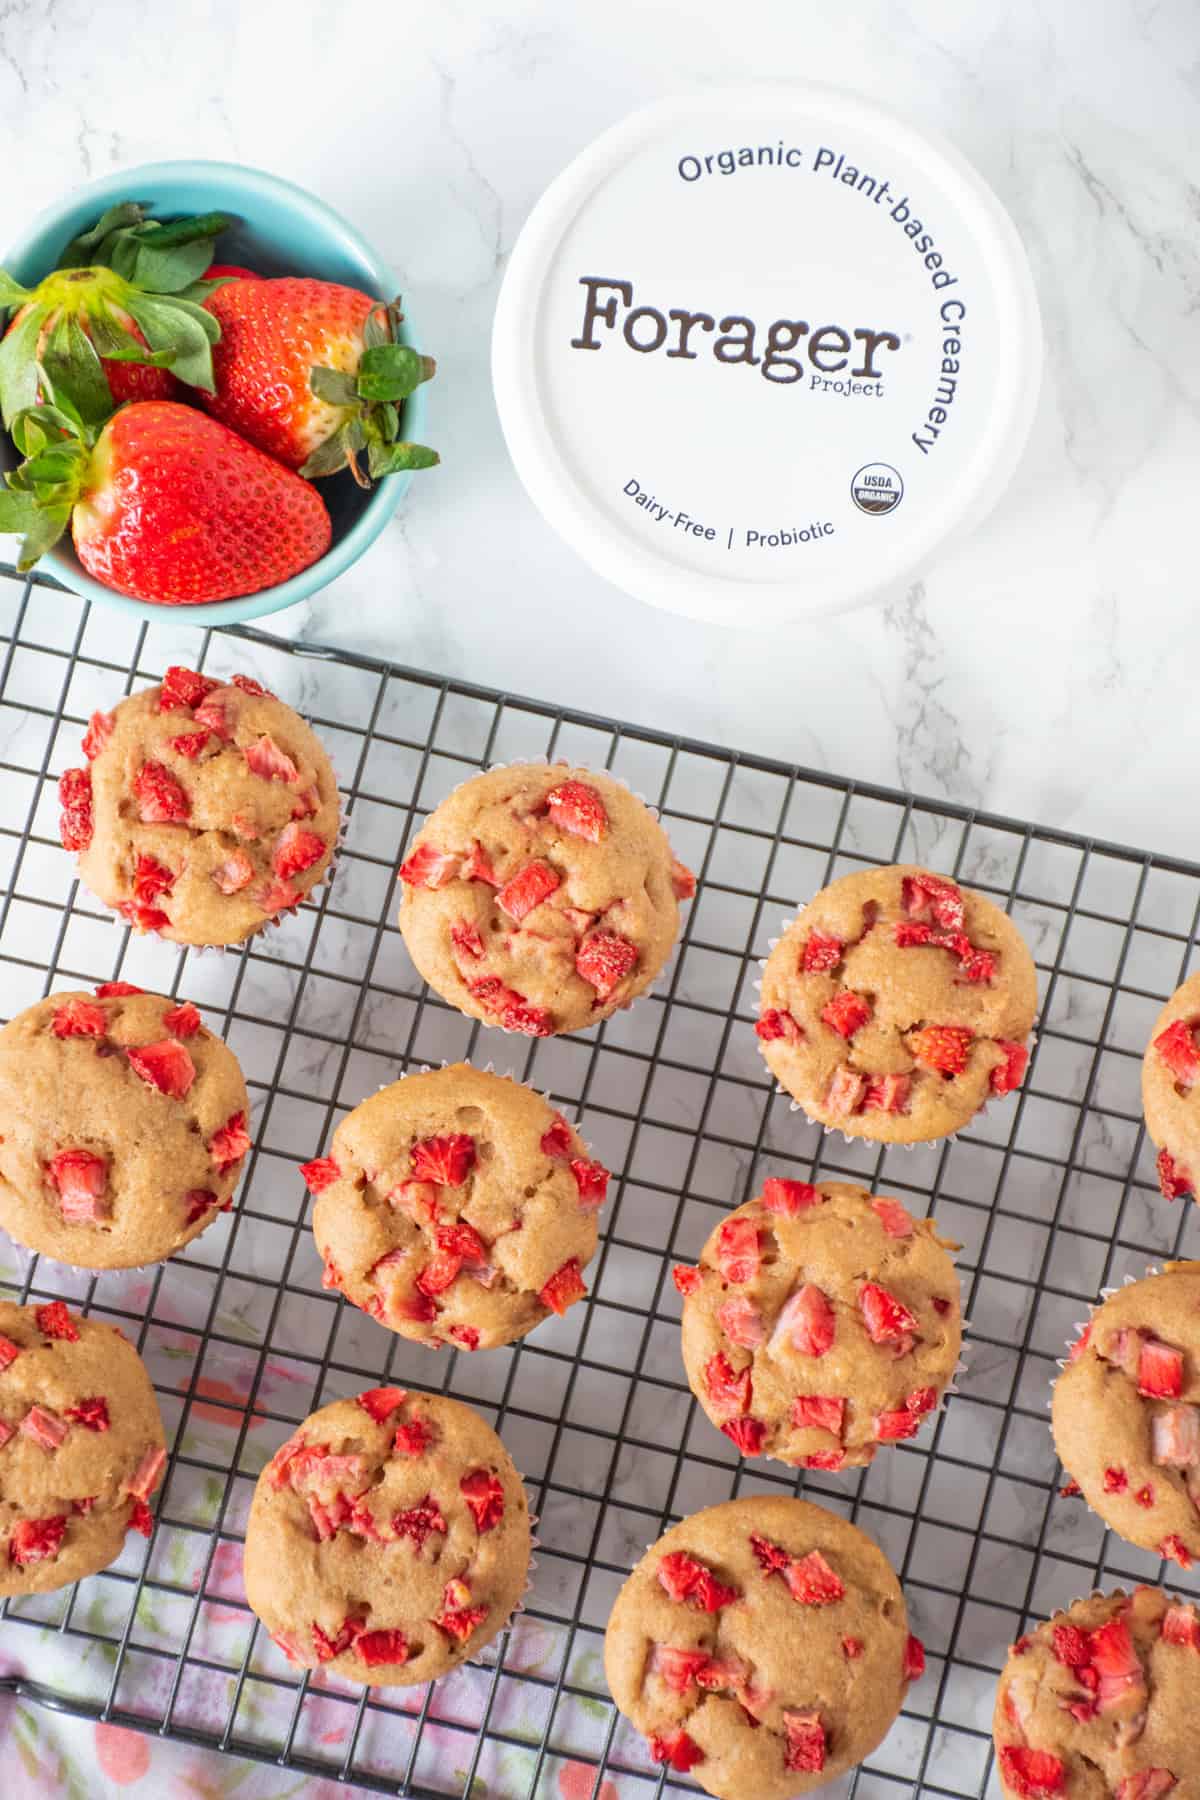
(1041, 667)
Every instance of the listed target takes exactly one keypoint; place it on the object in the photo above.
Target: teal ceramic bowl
(282, 230)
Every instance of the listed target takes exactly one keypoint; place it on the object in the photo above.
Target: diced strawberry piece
(445, 1160)
(276, 896)
(328, 1647)
(557, 1141)
(578, 809)
(896, 1221)
(728, 1389)
(1160, 1371)
(910, 935)
(978, 967)
(381, 1402)
(1181, 1626)
(182, 1021)
(942, 1306)
(418, 1309)
(1115, 1481)
(805, 1752)
(36, 1540)
(460, 1624)
(827, 1459)
(100, 729)
(1173, 1179)
(891, 1426)
(183, 689)
(483, 1492)
(942, 1048)
(143, 918)
(465, 1335)
(466, 940)
(75, 798)
(1147, 1784)
(591, 1178)
(213, 716)
(1175, 1437)
(80, 1179)
(159, 796)
(887, 1319)
(249, 686)
(477, 866)
(296, 850)
(683, 881)
(417, 1200)
(1178, 1049)
(115, 990)
(1070, 1491)
(603, 960)
(741, 1322)
(527, 889)
(266, 760)
(821, 953)
(775, 1025)
(746, 1433)
(737, 1254)
(83, 1507)
(1071, 1646)
(228, 1145)
(147, 1475)
(319, 1174)
(440, 1272)
(45, 1428)
(79, 1018)
(189, 743)
(676, 1749)
(806, 1321)
(922, 1400)
(165, 1066)
(54, 1321)
(914, 1658)
(413, 1437)
(852, 1648)
(678, 1668)
(234, 874)
(381, 1648)
(564, 1287)
(419, 1522)
(1011, 1072)
(825, 1412)
(511, 1008)
(1115, 1661)
(888, 1093)
(306, 804)
(685, 1578)
(688, 1281)
(924, 894)
(9, 1353)
(150, 879)
(1031, 1774)
(846, 1013)
(1145, 1496)
(91, 1414)
(787, 1198)
(847, 1091)
(1175, 1550)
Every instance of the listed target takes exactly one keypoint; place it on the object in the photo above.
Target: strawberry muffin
(1100, 1703)
(389, 1539)
(761, 1647)
(205, 812)
(541, 898)
(1171, 1090)
(896, 1005)
(122, 1126)
(457, 1207)
(1126, 1412)
(820, 1323)
(81, 1446)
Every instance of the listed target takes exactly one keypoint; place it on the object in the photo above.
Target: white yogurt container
(759, 353)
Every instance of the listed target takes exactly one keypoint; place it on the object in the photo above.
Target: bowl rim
(387, 493)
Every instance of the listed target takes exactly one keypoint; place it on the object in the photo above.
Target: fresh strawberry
(688, 1281)
(1177, 1048)
(296, 850)
(741, 1322)
(1031, 1774)
(603, 959)
(564, 1287)
(167, 506)
(420, 1522)
(91, 1414)
(591, 1179)
(1174, 1180)
(893, 1217)
(445, 1160)
(460, 1623)
(924, 895)
(79, 1018)
(942, 1048)
(36, 1540)
(311, 372)
(183, 689)
(319, 1174)
(100, 729)
(1010, 1073)
(914, 1658)
(265, 759)
(578, 809)
(165, 1066)
(381, 1402)
(888, 1093)
(484, 1494)
(75, 822)
(228, 1145)
(527, 889)
(54, 1321)
(182, 1021)
(1115, 1661)
(678, 1668)
(729, 1389)
(466, 940)
(676, 1749)
(234, 874)
(747, 1434)
(890, 1427)
(380, 1649)
(1160, 1371)
(806, 1321)
(821, 954)
(80, 1178)
(160, 799)
(847, 1091)
(805, 1750)
(787, 1198)
(825, 1413)
(887, 1319)
(413, 1437)
(775, 1025)
(737, 1254)
(229, 272)
(846, 1013)
(685, 1578)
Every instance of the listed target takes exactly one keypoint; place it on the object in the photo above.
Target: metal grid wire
(1052, 1194)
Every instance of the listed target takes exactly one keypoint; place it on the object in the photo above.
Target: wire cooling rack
(1051, 1193)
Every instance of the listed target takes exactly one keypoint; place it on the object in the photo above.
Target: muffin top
(81, 1446)
(206, 809)
(388, 1539)
(1171, 1090)
(761, 1647)
(897, 1004)
(1102, 1700)
(541, 898)
(457, 1207)
(820, 1323)
(1126, 1412)
(123, 1126)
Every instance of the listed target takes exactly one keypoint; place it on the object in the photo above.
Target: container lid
(759, 352)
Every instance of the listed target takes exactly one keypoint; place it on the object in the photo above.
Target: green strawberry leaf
(18, 364)
(47, 527)
(17, 510)
(328, 457)
(391, 459)
(88, 246)
(164, 259)
(333, 386)
(12, 294)
(184, 330)
(392, 372)
(39, 427)
(378, 328)
(116, 343)
(72, 378)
